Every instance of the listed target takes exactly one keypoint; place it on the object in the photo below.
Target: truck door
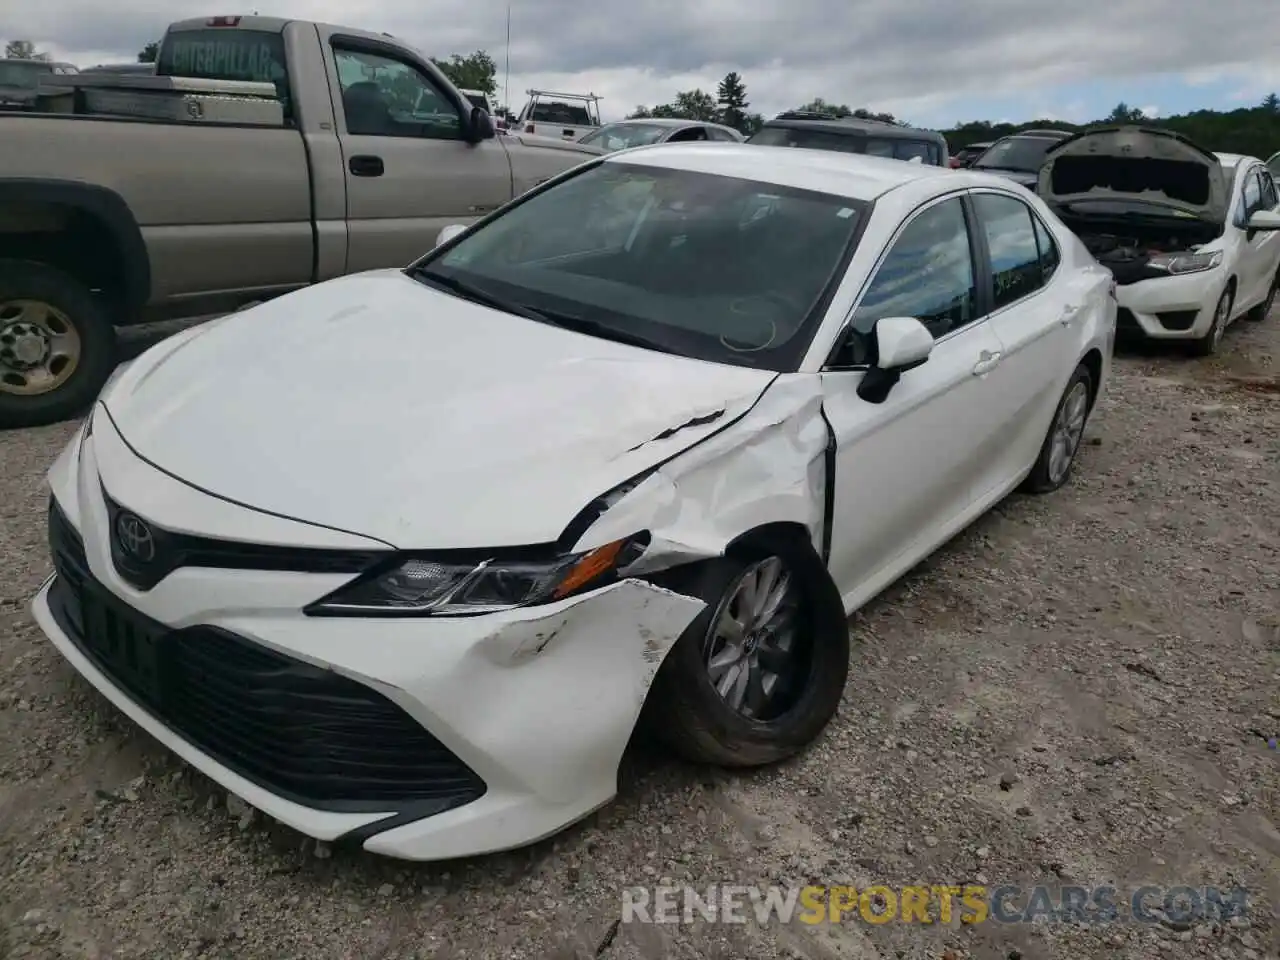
(409, 171)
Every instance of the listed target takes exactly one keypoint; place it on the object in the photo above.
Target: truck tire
(57, 345)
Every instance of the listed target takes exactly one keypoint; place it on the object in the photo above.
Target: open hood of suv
(1143, 164)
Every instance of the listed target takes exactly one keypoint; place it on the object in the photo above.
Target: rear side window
(1011, 239)
(227, 54)
(810, 139)
(573, 114)
(1048, 249)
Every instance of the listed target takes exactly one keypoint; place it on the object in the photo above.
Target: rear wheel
(1207, 345)
(761, 671)
(1058, 452)
(57, 345)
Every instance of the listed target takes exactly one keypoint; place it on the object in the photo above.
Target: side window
(910, 149)
(927, 274)
(1050, 256)
(1273, 165)
(384, 97)
(1011, 238)
(879, 148)
(1252, 194)
(687, 134)
(718, 134)
(1269, 198)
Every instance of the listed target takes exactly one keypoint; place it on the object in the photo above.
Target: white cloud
(1151, 111)
(918, 59)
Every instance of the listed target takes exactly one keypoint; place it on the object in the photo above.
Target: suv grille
(304, 733)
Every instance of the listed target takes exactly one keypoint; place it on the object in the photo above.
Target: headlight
(426, 586)
(1178, 263)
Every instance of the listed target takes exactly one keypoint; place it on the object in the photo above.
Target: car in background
(816, 131)
(478, 98)
(642, 132)
(20, 79)
(562, 116)
(1192, 237)
(1273, 165)
(1019, 156)
(967, 154)
(135, 68)
(718, 387)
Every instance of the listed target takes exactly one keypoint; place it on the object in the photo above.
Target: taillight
(223, 22)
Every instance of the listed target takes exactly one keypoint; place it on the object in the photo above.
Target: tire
(1207, 345)
(687, 713)
(29, 291)
(1259, 313)
(1048, 473)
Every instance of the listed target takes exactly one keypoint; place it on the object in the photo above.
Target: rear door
(1035, 311)
(1258, 254)
(409, 171)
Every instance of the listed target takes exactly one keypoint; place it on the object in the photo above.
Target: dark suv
(1019, 156)
(817, 131)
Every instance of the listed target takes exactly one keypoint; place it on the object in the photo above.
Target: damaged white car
(1190, 236)
(401, 558)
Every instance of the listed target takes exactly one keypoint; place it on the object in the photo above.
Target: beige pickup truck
(109, 220)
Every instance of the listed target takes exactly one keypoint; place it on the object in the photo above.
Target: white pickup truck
(560, 116)
(365, 151)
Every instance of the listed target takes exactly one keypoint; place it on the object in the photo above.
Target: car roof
(855, 126)
(669, 122)
(856, 176)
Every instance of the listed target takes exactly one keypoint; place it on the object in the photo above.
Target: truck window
(384, 97)
(227, 54)
(557, 111)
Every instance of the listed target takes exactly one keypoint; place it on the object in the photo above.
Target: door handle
(987, 362)
(365, 166)
(1069, 313)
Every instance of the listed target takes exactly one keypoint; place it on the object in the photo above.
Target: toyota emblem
(135, 538)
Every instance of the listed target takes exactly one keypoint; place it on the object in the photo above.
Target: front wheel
(1058, 452)
(1260, 312)
(57, 345)
(1207, 345)
(760, 672)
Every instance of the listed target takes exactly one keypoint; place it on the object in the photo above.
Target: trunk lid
(1157, 168)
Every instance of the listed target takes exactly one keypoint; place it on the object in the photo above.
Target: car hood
(376, 405)
(1154, 167)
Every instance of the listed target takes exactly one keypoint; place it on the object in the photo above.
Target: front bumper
(422, 739)
(1171, 308)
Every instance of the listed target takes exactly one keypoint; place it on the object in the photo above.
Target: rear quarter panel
(220, 208)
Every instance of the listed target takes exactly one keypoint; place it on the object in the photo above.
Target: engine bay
(1111, 249)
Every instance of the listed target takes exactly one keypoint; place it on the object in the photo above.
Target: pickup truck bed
(109, 221)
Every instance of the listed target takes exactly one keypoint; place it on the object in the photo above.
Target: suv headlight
(427, 586)
(1179, 263)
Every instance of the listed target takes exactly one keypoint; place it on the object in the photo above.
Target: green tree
(22, 50)
(1271, 103)
(695, 105)
(752, 123)
(476, 71)
(149, 53)
(641, 112)
(818, 105)
(1123, 113)
(732, 98)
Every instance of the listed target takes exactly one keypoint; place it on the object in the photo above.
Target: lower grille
(304, 733)
(1178, 319)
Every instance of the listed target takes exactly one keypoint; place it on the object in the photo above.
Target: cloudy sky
(930, 62)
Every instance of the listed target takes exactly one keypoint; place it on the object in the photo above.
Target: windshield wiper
(595, 328)
(478, 295)
(1009, 169)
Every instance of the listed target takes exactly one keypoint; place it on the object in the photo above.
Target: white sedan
(1191, 236)
(402, 558)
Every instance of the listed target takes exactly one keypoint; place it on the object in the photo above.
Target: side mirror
(1265, 220)
(480, 126)
(448, 232)
(902, 344)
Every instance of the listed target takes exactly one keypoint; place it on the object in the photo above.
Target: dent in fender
(769, 467)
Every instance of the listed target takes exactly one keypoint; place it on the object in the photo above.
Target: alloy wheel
(1068, 431)
(752, 645)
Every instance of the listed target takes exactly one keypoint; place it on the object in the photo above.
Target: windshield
(716, 268)
(619, 136)
(1024, 154)
(810, 139)
(25, 75)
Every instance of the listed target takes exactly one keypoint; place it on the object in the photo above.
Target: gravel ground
(1080, 688)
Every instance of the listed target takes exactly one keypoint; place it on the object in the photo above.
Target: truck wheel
(57, 345)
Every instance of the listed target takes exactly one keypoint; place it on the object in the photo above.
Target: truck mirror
(480, 126)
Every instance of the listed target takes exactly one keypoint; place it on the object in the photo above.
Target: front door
(409, 171)
(905, 467)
